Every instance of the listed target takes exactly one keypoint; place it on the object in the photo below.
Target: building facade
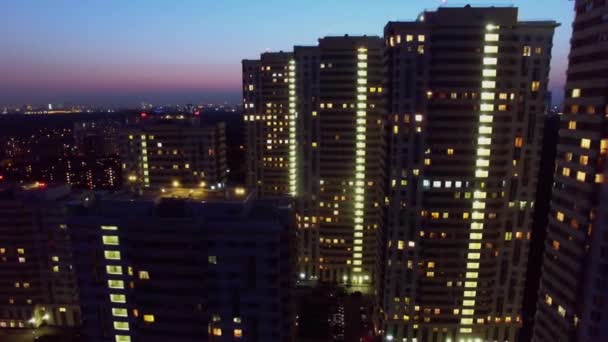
(315, 128)
(217, 266)
(37, 284)
(467, 90)
(173, 151)
(572, 294)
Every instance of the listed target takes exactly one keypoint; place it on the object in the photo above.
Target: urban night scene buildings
(405, 171)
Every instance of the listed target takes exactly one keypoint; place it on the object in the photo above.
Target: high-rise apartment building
(315, 128)
(37, 283)
(572, 295)
(190, 266)
(270, 115)
(173, 151)
(467, 91)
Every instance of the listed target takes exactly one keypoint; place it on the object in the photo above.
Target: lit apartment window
(566, 172)
(212, 259)
(585, 143)
(527, 51)
(111, 255)
(581, 176)
(450, 151)
(538, 50)
(118, 298)
(121, 325)
(149, 318)
(583, 160)
(519, 142)
(119, 312)
(116, 284)
(535, 85)
(604, 146)
(123, 338)
(217, 331)
(110, 240)
(421, 38)
(114, 269)
(144, 275)
(576, 92)
(560, 216)
(599, 178)
(572, 125)
(238, 333)
(555, 245)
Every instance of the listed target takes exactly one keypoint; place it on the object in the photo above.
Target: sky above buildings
(118, 52)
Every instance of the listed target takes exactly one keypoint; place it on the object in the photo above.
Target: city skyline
(191, 52)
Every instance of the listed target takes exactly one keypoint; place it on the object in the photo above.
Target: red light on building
(41, 184)
(1, 177)
(197, 113)
(143, 114)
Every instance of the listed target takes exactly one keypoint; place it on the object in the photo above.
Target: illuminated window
(581, 176)
(566, 172)
(583, 160)
(421, 49)
(123, 338)
(119, 312)
(450, 151)
(519, 141)
(490, 61)
(508, 236)
(585, 143)
(217, 331)
(149, 318)
(421, 38)
(121, 325)
(110, 240)
(144, 275)
(490, 49)
(114, 269)
(112, 255)
(560, 216)
(109, 227)
(527, 51)
(118, 298)
(599, 178)
(555, 245)
(238, 333)
(116, 284)
(409, 38)
(561, 311)
(576, 92)
(604, 146)
(548, 299)
(572, 125)
(212, 259)
(487, 96)
(491, 37)
(535, 85)
(488, 84)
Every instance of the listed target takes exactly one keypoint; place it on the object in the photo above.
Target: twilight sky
(122, 52)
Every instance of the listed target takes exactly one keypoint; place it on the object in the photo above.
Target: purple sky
(117, 52)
